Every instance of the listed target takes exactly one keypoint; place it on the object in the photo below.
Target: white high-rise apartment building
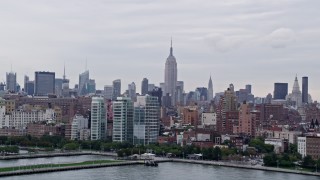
(123, 120)
(98, 118)
(78, 123)
(146, 120)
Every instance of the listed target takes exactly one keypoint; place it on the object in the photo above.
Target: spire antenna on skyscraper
(64, 70)
(171, 54)
(86, 67)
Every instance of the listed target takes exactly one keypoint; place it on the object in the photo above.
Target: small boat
(151, 163)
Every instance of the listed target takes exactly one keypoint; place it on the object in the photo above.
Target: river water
(165, 171)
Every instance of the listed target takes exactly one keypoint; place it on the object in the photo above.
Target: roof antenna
(64, 70)
(86, 68)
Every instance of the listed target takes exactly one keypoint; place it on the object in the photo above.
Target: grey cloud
(281, 38)
(221, 42)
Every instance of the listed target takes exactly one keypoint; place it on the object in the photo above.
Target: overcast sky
(256, 42)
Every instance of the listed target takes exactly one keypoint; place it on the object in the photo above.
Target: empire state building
(170, 76)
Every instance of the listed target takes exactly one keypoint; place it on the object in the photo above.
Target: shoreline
(58, 154)
(158, 160)
(67, 168)
(243, 166)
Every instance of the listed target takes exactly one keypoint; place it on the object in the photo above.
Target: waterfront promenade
(245, 166)
(55, 167)
(57, 154)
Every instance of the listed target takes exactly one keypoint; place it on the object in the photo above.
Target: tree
(217, 154)
(308, 161)
(270, 159)
(71, 146)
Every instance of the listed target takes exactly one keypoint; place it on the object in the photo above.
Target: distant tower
(83, 82)
(305, 90)
(144, 86)
(132, 91)
(170, 76)
(249, 88)
(116, 87)
(12, 82)
(210, 90)
(44, 83)
(280, 90)
(296, 95)
(65, 84)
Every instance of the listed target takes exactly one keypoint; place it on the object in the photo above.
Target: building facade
(83, 82)
(11, 80)
(170, 76)
(116, 87)
(98, 119)
(210, 90)
(146, 120)
(305, 93)
(144, 86)
(280, 90)
(44, 83)
(295, 97)
(122, 120)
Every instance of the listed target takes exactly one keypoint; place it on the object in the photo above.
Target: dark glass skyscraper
(305, 93)
(144, 86)
(116, 85)
(44, 83)
(280, 90)
(12, 82)
(248, 88)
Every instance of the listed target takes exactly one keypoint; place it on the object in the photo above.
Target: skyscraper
(98, 119)
(108, 92)
(25, 81)
(65, 84)
(83, 82)
(132, 91)
(116, 85)
(201, 94)
(296, 95)
(280, 90)
(170, 76)
(44, 83)
(122, 120)
(58, 87)
(210, 90)
(248, 88)
(146, 120)
(157, 92)
(179, 92)
(91, 86)
(12, 82)
(305, 93)
(144, 86)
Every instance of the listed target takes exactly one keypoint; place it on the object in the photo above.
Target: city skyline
(239, 42)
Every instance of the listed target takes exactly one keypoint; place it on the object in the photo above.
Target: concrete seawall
(243, 166)
(30, 156)
(159, 160)
(68, 168)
